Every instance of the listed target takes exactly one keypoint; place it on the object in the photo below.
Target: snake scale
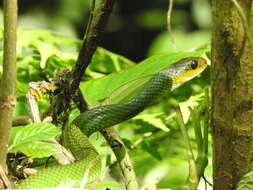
(93, 120)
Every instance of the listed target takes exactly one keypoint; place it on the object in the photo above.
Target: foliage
(110, 83)
(152, 136)
(29, 139)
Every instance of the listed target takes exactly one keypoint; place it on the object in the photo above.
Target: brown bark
(8, 81)
(91, 41)
(232, 94)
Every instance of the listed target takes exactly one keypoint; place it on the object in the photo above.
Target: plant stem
(206, 123)
(91, 40)
(93, 35)
(8, 81)
(93, 3)
(21, 120)
(122, 156)
(169, 21)
(193, 174)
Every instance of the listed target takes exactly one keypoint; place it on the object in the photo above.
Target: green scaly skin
(106, 116)
(109, 115)
(69, 175)
(103, 117)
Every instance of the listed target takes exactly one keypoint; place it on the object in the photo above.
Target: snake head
(185, 70)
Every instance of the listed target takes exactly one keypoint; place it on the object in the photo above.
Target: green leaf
(152, 148)
(246, 183)
(47, 43)
(192, 102)
(30, 133)
(108, 84)
(153, 119)
(36, 149)
(104, 61)
(39, 49)
(126, 91)
(46, 50)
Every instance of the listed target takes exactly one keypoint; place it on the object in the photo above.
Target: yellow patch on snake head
(187, 69)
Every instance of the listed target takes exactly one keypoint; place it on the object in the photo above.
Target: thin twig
(169, 20)
(244, 22)
(193, 174)
(206, 181)
(122, 156)
(21, 120)
(140, 140)
(201, 139)
(197, 129)
(90, 17)
(77, 96)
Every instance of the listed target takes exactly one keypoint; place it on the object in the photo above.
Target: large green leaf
(33, 132)
(126, 91)
(27, 139)
(35, 149)
(100, 89)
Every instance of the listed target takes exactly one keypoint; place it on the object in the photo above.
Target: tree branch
(122, 156)
(8, 81)
(21, 120)
(91, 41)
(93, 36)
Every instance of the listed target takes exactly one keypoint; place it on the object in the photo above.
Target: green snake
(106, 116)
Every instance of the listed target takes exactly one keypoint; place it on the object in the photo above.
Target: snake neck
(109, 115)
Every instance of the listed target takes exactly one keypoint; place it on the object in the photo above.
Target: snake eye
(194, 64)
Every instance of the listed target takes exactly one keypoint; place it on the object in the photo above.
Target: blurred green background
(136, 29)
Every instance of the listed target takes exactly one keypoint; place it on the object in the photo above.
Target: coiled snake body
(106, 116)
